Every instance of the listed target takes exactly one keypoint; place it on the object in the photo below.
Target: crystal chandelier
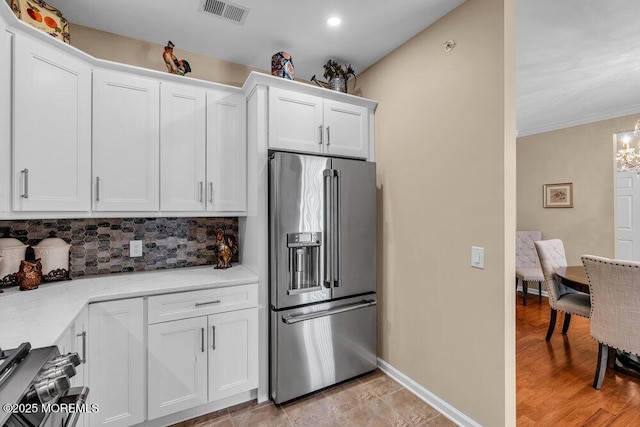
(626, 157)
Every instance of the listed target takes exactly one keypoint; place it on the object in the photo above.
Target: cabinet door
(52, 129)
(126, 121)
(233, 353)
(182, 147)
(116, 354)
(177, 366)
(226, 152)
(346, 128)
(81, 329)
(295, 121)
(6, 42)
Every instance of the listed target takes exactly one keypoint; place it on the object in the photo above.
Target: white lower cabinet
(116, 372)
(177, 366)
(74, 340)
(80, 331)
(204, 358)
(233, 353)
(206, 352)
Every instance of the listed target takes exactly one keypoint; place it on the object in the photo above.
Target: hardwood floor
(553, 379)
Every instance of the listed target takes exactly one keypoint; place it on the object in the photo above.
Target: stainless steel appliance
(322, 232)
(35, 389)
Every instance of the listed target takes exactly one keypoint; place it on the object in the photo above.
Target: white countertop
(41, 316)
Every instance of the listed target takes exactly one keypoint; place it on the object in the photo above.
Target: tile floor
(371, 400)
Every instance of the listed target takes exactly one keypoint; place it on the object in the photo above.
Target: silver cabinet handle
(83, 334)
(213, 339)
(198, 304)
(202, 340)
(292, 318)
(321, 135)
(211, 192)
(97, 188)
(25, 172)
(201, 191)
(328, 135)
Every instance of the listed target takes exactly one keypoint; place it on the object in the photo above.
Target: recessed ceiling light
(334, 21)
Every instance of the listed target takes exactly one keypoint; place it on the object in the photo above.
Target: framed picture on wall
(558, 195)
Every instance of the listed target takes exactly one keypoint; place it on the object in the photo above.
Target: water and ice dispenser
(304, 261)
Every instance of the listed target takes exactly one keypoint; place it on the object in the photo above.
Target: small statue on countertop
(174, 65)
(30, 274)
(225, 247)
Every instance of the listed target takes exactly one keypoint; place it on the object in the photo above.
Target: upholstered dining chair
(561, 298)
(527, 262)
(615, 308)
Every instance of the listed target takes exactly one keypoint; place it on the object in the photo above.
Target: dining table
(575, 277)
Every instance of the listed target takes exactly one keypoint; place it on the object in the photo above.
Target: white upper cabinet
(295, 121)
(307, 123)
(126, 142)
(182, 147)
(226, 152)
(346, 131)
(52, 128)
(5, 119)
(203, 150)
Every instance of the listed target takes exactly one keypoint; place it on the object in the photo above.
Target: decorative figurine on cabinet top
(42, 16)
(175, 65)
(282, 66)
(225, 247)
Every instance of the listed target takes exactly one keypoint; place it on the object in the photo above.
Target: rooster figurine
(225, 247)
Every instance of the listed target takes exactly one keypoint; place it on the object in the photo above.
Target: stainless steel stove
(35, 388)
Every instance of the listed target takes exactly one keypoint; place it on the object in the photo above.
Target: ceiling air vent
(225, 10)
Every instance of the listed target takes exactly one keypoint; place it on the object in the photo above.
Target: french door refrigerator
(322, 254)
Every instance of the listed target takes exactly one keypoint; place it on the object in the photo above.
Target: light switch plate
(477, 257)
(135, 248)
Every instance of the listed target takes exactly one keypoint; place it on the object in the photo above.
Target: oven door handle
(77, 396)
(289, 319)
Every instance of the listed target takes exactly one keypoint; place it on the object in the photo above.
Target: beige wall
(130, 51)
(445, 147)
(583, 155)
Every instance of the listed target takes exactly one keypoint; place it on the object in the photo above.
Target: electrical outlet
(477, 257)
(135, 248)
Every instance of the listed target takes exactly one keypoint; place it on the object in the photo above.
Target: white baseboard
(533, 291)
(437, 403)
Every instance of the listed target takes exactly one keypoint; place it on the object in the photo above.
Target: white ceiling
(576, 60)
(370, 28)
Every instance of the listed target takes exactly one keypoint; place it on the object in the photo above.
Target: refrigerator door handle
(336, 229)
(290, 319)
(328, 226)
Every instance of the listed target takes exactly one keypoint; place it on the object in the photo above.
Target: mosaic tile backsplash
(101, 246)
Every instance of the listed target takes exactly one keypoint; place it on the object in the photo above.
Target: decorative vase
(339, 84)
(54, 253)
(12, 252)
(282, 66)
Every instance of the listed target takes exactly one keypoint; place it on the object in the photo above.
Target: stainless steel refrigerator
(322, 237)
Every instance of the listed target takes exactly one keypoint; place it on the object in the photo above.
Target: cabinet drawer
(163, 308)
